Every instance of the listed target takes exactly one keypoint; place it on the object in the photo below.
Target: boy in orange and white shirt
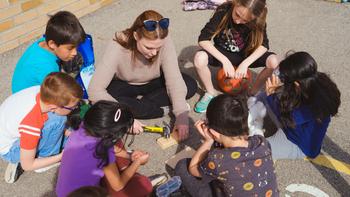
(22, 117)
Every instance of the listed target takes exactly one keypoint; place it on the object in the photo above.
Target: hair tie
(114, 140)
(117, 115)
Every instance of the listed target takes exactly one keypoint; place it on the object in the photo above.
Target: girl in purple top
(91, 151)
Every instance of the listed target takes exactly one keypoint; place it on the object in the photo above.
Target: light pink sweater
(117, 62)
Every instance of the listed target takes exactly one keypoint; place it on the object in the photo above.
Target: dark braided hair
(109, 121)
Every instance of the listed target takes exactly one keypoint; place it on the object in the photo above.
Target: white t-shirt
(12, 111)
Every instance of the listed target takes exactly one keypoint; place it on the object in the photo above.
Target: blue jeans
(50, 141)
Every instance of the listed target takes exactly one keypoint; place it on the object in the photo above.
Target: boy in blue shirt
(62, 36)
(59, 45)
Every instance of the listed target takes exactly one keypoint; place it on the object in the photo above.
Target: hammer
(156, 129)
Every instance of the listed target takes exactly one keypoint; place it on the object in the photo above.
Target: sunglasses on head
(151, 25)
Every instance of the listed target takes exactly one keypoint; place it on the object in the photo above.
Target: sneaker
(158, 179)
(44, 169)
(13, 171)
(202, 104)
(169, 187)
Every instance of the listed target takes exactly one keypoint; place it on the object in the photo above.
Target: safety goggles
(71, 108)
(151, 25)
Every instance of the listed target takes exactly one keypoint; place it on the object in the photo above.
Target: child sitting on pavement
(303, 101)
(94, 151)
(62, 36)
(22, 117)
(243, 165)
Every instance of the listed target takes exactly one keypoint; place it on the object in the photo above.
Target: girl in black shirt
(238, 29)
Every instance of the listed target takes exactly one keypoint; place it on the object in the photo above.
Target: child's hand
(241, 71)
(204, 130)
(272, 83)
(143, 159)
(137, 127)
(182, 131)
(228, 68)
(136, 154)
(67, 132)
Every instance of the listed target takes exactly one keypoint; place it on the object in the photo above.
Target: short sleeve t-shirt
(33, 66)
(21, 118)
(243, 171)
(79, 167)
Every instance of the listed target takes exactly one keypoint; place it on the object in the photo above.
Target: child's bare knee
(272, 62)
(200, 59)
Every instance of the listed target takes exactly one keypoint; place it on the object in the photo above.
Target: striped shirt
(21, 118)
(31, 125)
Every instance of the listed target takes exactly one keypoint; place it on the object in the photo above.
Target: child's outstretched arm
(241, 71)
(207, 34)
(226, 63)
(29, 162)
(199, 156)
(119, 180)
(203, 150)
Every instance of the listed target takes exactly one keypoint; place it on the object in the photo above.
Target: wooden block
(187, 152)
(165, 143)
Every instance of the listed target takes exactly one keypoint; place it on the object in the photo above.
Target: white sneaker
(12, 172)
(44, 169)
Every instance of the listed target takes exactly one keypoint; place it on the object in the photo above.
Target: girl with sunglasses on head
(95, 150)
(304, 100)
(238, 29)
(140, 69)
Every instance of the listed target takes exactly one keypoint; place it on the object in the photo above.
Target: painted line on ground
(330, 162)
(314, 191)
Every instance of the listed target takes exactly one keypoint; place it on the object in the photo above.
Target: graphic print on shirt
(231, 40)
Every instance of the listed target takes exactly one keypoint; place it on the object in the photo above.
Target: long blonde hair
(127, 40)
(258, 9)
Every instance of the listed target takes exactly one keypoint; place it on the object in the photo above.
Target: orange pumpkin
(233, 86)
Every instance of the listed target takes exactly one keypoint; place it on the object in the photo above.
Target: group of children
(34, 129)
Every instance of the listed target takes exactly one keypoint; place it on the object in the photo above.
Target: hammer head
(166, 131)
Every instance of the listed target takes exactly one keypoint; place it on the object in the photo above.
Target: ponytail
(107, 121)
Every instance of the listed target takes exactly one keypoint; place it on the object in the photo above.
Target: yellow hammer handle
(153, 129)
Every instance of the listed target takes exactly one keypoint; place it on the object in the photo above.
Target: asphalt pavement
(316, 26)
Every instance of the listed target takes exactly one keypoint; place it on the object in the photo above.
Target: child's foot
(202, 104)
(44, 169)
(169, 187)
(13, 171)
